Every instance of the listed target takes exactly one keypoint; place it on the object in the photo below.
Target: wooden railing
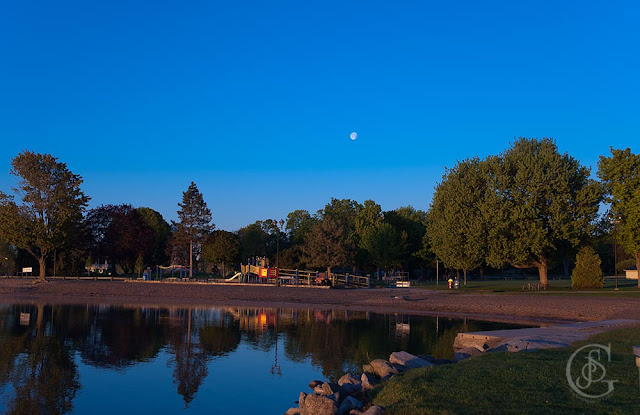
(285, 276)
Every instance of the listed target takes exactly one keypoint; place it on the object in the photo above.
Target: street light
(614, 220)
(278, 229)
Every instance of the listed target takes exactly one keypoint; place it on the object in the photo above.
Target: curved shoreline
(523, 308)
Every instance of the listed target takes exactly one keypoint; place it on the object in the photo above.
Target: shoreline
(532, 309)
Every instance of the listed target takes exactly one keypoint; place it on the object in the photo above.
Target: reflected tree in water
(189, 358)
(43, 373)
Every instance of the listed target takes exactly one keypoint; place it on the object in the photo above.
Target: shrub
(587, 273)
(626, 264)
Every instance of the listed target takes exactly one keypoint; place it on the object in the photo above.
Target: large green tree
(383, 243)
(299, 224)
(620, 174)
(221, 247)
(538, 200)
(50, 209)
(411, 223)
(195, 223)
(328, 245)
(457, 227)
(161, 230)
(119, 233)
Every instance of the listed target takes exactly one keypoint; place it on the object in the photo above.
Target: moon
(353, 135)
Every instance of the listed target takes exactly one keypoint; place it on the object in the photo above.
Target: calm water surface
(227, 360)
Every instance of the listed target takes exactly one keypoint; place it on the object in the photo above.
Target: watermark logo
(586, 371)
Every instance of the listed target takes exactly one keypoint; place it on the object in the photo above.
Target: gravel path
(538, 307)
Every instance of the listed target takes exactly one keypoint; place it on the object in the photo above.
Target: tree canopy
(538, 199)
(50, 209)
(194, 224)
(457, 227)
(221, 247)
(620, 174)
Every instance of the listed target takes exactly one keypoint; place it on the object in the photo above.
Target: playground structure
(258, 271)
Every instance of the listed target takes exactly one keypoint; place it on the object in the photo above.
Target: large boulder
(383, 369)
(368, 381)
(315, 383)
(374, 410)
(348, 378)
(350, 383)
(435, 361)
(319, 405)
(330, 388)
(368, 369)
(301, 399)
(349, 404)
(408, 360)
(466, 353)
(293, 411)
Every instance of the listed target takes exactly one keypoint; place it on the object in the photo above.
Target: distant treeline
(530, 207)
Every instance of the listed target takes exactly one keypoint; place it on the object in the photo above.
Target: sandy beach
(535, 307)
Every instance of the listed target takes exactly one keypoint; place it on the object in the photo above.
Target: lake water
(228, 360)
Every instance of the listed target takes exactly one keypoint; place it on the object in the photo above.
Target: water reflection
(43, 349)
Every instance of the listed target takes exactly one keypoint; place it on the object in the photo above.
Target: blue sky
(255, 101)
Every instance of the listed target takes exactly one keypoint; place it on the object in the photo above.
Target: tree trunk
(191, 259)
(42, 261)
(542, 272)
(464, 271)
(482, 272)
(224, 274)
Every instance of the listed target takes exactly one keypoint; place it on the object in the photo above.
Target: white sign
(30, 269)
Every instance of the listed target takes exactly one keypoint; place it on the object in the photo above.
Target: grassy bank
(515, 383)
(627, 288)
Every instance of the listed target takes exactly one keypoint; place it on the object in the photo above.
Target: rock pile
(349, 396)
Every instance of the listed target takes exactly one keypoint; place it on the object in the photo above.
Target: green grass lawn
(627, 288)
(515, 383)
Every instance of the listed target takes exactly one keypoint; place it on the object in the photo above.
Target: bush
(587, 273)
(626, 264)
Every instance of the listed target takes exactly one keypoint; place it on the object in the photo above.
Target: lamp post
(614, 220)
(278, 225)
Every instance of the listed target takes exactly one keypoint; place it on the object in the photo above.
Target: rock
(383, 369)
(368, 369)
(319, 405)
(330, 388)
(374, 410)
(293, 411)
(349, 404)
(368, 381)
(435, 361)
(408, 360)
(355, 412)
(466, 353)
(350, 384)
(348, 378)
(301, 399)
(337, 397)
(399, 368)
(314, 383)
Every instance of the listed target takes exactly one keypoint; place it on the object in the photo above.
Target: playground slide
(237, 274)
